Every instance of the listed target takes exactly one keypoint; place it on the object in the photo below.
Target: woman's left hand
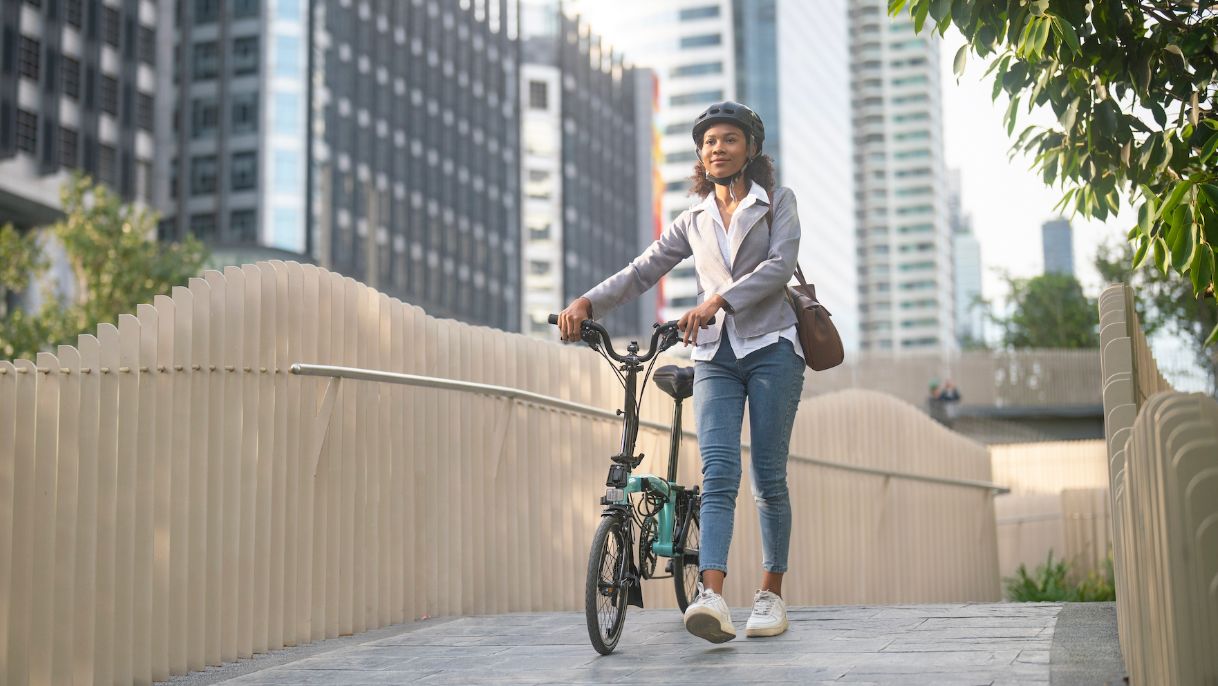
(697, 318)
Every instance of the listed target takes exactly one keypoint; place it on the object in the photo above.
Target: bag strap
(769, 222)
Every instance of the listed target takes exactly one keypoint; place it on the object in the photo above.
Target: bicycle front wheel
(685, 561)
(605, 591)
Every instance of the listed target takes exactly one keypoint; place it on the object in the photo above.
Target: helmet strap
(727, 180)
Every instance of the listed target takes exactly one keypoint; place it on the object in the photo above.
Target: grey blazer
(753, 285)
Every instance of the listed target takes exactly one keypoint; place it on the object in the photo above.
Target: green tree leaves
(114, 257)
(1050, 311)
(1134, 87)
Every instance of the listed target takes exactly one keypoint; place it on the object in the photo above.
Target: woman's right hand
(569, 320)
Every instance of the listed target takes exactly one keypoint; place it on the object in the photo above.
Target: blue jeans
(772, 380)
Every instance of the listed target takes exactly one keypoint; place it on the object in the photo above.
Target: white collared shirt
(740, 346)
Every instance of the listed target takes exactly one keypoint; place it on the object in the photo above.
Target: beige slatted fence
(171, 497)
(1058, 502)
(1163, 466)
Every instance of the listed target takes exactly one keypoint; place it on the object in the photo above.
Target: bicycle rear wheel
(685, 562)
(605, 590)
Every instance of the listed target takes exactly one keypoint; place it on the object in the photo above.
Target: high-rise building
(904, 238)
(1057, 240)
(586, 166)
(378, 137)
(789, 61)
(966, 263)
(77, 92)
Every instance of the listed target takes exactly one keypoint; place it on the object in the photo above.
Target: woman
(743, 260)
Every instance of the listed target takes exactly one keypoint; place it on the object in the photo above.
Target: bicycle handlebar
(589, 326)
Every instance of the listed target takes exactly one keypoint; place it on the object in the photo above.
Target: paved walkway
(923, 644)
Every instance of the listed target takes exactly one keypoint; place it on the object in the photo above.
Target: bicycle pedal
(668, 566)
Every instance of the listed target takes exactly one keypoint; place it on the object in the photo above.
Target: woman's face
(724, 150)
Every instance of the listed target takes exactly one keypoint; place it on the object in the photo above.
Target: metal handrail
(356, 373)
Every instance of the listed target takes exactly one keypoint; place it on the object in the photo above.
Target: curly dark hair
(761, 170)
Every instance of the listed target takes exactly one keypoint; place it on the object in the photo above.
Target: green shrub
(1052, 583)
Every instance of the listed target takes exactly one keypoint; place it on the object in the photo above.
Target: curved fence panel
(173, 497)
(1163, 470)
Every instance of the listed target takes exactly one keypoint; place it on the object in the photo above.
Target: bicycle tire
(685, 575)
(605, 593)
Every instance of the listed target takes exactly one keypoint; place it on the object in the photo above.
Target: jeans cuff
(713, 568)
(775, 569)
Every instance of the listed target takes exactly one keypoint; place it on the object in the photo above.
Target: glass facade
(287, 80)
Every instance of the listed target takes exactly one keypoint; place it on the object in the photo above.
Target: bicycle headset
(730, 113)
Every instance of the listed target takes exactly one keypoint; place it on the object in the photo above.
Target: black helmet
(731, 113)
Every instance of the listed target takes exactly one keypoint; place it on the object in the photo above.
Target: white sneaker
(708, 617)
(769, 617)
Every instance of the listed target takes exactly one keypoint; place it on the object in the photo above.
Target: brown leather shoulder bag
(818, 336)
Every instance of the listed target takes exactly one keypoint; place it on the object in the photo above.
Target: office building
(77, 92)
(1057, 241)
(905, 273)
(586, 167)
(379, 138)
(966, 263)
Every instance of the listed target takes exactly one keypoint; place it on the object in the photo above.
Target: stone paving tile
(933, 644)
(918, 644)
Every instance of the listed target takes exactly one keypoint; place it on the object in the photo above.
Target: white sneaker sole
(763, 631)
(706, 625)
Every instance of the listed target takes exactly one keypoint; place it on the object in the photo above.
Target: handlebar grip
(553, 319)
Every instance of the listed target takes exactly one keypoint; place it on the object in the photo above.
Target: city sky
(1007, 200)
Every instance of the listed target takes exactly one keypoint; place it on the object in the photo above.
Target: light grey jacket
(753, 285)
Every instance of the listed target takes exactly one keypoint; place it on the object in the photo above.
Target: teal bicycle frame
(666, 488)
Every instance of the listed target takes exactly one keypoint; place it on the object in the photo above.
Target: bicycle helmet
(730, 113)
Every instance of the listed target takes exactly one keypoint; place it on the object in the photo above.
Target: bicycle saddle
(675, 381)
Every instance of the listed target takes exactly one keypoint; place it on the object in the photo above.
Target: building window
(206, 61)
(203, 175)
(29, 59)
(143, 111)
(701, 41)
(245, 55)
(242, 226)
(203, 226)
(67, 147)
(287, 55)
(245, 112)
(204, 118)
(70, 75)
(700, 69)
(107, 162)
(110, 26)
(148, 45)
(72, 13)
(246, 8)
(692, 13)
(681, 156)
(207, 11)
(538, 95)
(244, 171)
(109, 95)
(701, 98)
(27, 131)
